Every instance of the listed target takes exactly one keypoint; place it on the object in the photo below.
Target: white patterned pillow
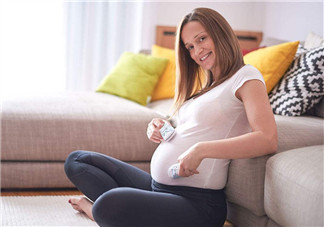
(302, 85)
(301, 50)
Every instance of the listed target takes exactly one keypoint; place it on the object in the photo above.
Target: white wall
(293, 21)
(283, 20)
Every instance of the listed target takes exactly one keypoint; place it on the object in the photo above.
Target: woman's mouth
(204, 57)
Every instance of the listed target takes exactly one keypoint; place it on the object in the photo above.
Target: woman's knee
(72, 165)
(109, 208)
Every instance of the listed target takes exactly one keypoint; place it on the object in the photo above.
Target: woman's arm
(261, 141)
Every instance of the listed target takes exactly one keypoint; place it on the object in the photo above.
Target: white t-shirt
(215, 115)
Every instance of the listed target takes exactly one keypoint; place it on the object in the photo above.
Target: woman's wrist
(201, 148)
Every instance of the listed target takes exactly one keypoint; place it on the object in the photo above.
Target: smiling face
(200, 46)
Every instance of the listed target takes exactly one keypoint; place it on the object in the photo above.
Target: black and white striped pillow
(302, 85)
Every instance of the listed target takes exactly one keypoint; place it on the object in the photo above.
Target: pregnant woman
(222, 112)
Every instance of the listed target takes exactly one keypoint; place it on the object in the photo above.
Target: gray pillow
(269, 41)
(317, 110)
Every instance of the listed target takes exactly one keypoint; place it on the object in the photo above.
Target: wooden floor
(39, 192)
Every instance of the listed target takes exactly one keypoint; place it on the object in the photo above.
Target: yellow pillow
(272, 61)
(164, 89)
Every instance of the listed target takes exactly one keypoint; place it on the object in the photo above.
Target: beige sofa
(38, 133)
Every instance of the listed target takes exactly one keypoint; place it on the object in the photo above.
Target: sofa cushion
(272, 61)
(164, 106)
(294, 187)
(313, 40)
(302, 131)
(239, 216)
(245, 186)
(134, 77)
(49, 127)
(301, 88)
(22, 174)
(246, 183)
(165, 87)
(317, 110)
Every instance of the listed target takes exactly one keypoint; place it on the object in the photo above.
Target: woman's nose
(198, 50)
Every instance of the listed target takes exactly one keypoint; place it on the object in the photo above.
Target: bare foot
(83, 205)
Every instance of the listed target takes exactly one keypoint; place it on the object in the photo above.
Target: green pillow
(134, 77)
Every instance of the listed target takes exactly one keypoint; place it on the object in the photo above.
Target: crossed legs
(122, 194)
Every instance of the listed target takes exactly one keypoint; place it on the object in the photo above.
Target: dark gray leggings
(124, 195)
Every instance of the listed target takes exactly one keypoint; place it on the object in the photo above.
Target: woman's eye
(190, 48)
(202, 39)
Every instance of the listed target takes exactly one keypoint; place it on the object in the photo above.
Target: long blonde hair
(190, 76)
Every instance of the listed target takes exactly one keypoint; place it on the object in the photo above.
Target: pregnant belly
(166, 155)
(212, 172)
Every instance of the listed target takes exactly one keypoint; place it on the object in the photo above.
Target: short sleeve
(248, 72)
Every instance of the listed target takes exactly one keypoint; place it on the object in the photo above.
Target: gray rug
(40, 211)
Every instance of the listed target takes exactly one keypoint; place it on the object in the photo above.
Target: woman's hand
(153, 130)
(189, 161)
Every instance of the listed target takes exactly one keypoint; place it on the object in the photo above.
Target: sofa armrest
(245, 186)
